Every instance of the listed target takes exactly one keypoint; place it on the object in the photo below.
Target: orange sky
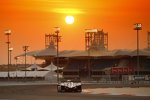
(29, 20)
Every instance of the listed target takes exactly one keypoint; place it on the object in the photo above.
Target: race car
(69, 86)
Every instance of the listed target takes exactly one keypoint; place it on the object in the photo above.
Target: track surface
(48, 92)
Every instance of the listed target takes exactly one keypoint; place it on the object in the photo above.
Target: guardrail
(117, 82)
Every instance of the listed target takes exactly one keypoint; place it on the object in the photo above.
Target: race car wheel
(79, 89)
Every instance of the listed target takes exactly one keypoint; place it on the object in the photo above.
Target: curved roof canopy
(51, 52)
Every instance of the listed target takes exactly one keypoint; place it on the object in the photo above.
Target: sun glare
(69, 19)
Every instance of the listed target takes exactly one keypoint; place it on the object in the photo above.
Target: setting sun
(69, 19)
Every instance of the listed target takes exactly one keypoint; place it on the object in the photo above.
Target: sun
(69, 19)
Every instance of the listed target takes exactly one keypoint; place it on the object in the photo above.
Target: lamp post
(57, 30)
(8, 33)
(10, 51)
(16, 58)
(137, 27)
(25, 49)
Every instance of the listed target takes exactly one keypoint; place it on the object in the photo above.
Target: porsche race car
(69, 86)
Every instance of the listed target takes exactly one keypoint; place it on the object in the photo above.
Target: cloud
(57, 1)
(68, 11)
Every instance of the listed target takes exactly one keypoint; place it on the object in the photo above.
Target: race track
(48, 92)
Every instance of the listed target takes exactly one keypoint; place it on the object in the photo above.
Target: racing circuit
(38, 91)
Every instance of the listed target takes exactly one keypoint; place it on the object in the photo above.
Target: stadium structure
(96, 62)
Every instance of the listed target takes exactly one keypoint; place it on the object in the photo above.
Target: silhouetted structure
(96, 40)
(51, 39)
(25, 49)
(8, 33)
(138, 27)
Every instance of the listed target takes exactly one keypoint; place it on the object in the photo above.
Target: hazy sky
(29, 20)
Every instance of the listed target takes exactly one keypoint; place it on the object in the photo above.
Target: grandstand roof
(51, 52)
(141, 53)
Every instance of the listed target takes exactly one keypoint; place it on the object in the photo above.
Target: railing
(119, 82)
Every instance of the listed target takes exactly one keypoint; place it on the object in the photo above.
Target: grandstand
(96, 61)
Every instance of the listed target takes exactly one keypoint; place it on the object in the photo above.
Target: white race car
(69, 86)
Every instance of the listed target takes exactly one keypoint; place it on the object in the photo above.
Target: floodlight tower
(25, 49)
(8, 33)
(137, 27)
(96, 40)
(10, 50)
(57, 31)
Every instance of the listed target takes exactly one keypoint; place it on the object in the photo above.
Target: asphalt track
(48, 92)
